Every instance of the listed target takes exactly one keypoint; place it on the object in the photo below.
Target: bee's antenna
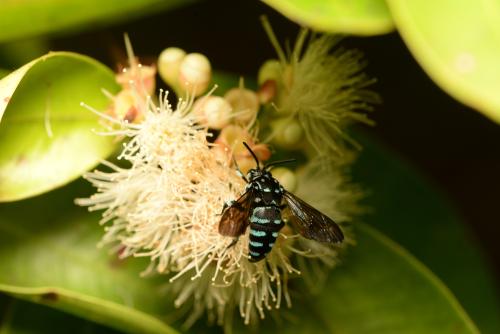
(279, 162)
(253, 154)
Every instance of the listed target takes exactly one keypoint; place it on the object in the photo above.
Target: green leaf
(358, 17)
(43, 320)
(48, 255)
(28, 18)
(46, 137)
(410, 210)
(458, 44)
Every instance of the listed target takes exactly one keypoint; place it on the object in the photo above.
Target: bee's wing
(311, 223)
(235, 218)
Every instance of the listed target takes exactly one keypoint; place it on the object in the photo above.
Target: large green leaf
(46, 137)
(48, 255)
(27, 18)
(358, 17)
(410, 210)
(42, 320)
(458, 45)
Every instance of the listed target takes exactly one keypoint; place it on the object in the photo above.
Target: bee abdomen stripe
(275, 234)
(257, 220)
(256, 244)
(255, 254)
(257, 233)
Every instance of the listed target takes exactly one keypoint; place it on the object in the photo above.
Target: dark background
(453, 145)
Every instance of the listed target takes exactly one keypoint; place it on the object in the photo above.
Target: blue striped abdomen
(265, 223)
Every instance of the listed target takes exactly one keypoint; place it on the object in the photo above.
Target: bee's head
(256, 173)
(253, 174)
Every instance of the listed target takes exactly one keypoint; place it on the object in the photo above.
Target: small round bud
(195, 73)
(245, 103)
(270, 70)
(286, 178)
(213, 111)
(289, 133)
(169, 63)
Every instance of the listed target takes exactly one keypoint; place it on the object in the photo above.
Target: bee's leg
(225, 206)
(238, 170)
(235, 240)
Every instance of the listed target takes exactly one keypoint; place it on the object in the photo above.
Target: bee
(260, 207)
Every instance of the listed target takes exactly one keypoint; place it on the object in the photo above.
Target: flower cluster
(321, 90)
(167, 203)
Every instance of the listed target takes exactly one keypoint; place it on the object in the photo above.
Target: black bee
(260, 207)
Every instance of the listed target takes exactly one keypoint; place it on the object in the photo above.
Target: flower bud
(195, 74)
(245, 103)
(286, 178)
(127, 106)
(212, 111)
(289, 133)
(270, 70)
(169, 63)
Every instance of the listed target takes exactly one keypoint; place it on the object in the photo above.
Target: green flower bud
(195, 74)
(245, 103)
(212, 111)
(288, 133)
(270, 70)
(169, 63)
